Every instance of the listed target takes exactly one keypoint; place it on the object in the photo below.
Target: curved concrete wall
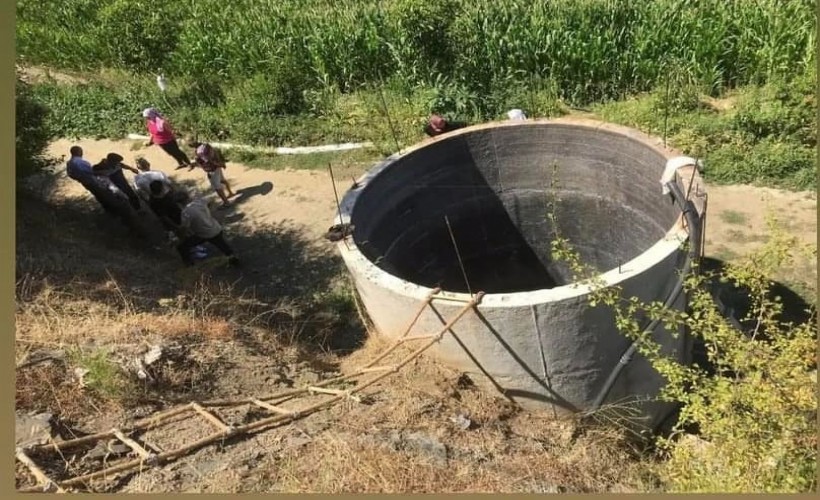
(534, 337)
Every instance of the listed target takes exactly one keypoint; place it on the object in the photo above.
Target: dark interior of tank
(496, 187)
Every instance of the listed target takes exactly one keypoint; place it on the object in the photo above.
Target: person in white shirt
(200, 226)
(146, 176)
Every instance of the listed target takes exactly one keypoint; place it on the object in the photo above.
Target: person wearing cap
(80, 170)
(200, 227)
(111, 167)
(212, 162)
(163, 136)
(437, 125)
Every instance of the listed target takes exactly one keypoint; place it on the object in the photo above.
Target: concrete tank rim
(663, 248)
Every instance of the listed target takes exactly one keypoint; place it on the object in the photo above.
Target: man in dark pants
(163, 203)
(200, 226)
(80, 170)
(111, 167)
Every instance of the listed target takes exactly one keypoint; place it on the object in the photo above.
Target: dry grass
(506, 450)
(47, 387)
(234, 343)
(350, 464)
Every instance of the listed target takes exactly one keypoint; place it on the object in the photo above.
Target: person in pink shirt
(213, 163)
(163, 136)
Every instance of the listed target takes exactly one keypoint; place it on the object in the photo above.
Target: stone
(80, 373)
(104, 449)
(153, 355)
(462, 422)
(32, 429)
(426, 445)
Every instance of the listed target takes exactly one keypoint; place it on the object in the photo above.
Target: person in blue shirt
(80, 170)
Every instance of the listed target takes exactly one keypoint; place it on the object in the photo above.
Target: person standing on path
(212, 162)
(80, 170)
(111, 167)
(163, 136)
(200, 227)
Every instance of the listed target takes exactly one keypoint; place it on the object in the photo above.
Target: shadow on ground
(244, 194)
(737, 300)
(294, 281)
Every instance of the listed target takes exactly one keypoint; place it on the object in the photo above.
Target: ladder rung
(451, 299)
(417, 337)
(138, 449)
(336, 392)
(272, 408)
(378, 369)
(323, 390)
(47, 483)
(210, 417)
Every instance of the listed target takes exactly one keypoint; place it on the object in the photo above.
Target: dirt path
(302, 198)
(735, 225)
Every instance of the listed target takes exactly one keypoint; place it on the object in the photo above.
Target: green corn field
(300, 72)
(590, 49)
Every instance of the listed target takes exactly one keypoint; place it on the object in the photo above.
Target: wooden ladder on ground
(278, 409)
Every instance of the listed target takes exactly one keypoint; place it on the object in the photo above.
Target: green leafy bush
(765, 135)
(31, 134)
(779, 110)
(95, 110)
(755, 410)
(254, 109)
(787, 163)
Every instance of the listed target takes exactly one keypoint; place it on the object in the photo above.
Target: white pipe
(281, 150)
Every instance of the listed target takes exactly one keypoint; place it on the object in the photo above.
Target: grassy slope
(753, 135)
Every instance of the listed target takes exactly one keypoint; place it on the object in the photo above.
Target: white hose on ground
(280, 150)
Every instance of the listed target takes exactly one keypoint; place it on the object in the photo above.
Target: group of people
(187, 219)
(207, 157)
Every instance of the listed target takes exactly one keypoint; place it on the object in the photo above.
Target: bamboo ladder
(271, 403)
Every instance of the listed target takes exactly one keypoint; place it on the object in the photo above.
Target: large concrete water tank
(534, 337)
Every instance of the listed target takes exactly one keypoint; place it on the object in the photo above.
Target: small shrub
(31, 132)
(104, 378)
(755, 408)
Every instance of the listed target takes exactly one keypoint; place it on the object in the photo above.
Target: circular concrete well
(534, 336)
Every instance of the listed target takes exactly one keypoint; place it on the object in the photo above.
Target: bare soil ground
(85, 285)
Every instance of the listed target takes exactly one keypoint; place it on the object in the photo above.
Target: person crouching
(199, 226)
